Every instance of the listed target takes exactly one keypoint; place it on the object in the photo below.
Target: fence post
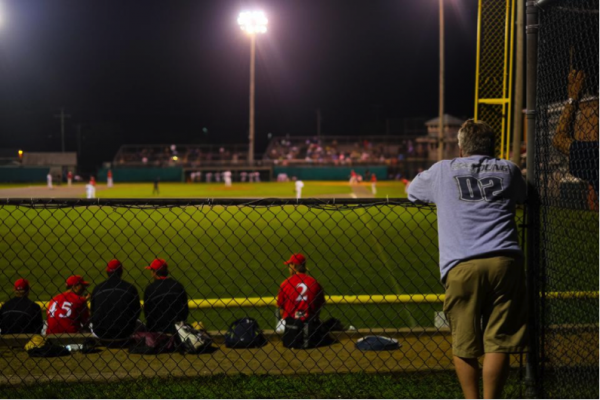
(533, 381)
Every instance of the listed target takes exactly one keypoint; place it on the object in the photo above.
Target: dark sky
(161, 71)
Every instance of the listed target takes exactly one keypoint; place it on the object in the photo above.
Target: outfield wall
(172, 174)
(310, 173)
(23, 174)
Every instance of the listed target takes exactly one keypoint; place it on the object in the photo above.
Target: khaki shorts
(486, 306)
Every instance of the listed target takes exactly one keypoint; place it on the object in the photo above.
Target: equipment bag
(152, 343)
(377, 343)
(193, 341)
(244, 334)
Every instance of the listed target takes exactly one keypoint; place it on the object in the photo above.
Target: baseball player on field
(109, 179)
(299, 186)
(227, 178)
(69, 178)
(49, 180)
(373, 184)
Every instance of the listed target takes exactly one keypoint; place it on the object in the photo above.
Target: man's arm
(38, 321)
(562, 138)
(136, 307)
(519, 185)
(186, 308)
(422, 187)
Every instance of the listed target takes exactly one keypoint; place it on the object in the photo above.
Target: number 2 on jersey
(303, 288)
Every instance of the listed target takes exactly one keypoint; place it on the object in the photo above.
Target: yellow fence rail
(349, 300)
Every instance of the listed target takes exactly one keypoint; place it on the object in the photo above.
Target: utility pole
(62, 117)
(252, 74)
(441, 116)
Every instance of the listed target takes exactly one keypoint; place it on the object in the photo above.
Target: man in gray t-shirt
(481, 263)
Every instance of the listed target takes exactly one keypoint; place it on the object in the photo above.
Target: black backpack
(309, 334)
(244, 334)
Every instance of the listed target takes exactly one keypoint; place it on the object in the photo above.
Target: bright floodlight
(253, 22)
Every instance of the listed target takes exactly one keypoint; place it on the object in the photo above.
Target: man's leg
(467, 370)
(495, 373)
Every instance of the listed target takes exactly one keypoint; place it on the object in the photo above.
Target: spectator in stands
(577, 133)
(115, 305)
(68, 312)
(165, 300)
(19, 314)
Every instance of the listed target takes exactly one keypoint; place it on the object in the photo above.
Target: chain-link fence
(375, 262)
(566, 207)
(494, 69)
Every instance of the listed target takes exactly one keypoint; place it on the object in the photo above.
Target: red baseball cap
(296, 259)
(158, 264)
(76, 280)
(113, 265)
(21, 284)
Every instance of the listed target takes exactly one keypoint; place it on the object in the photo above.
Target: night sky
(161, 71)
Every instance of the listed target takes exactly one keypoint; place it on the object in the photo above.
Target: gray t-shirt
(475, 198)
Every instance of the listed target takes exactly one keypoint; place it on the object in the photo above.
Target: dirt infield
(42, 192)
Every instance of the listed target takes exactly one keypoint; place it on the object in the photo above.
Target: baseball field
(235, 252)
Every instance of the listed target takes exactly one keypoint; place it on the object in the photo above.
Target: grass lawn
(391, 189)
(441, 384)
(212, 190)
(219, 252)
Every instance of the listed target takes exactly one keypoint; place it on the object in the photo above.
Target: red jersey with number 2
(300, 297)
(67, 313)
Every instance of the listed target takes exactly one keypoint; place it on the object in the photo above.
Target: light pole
(253, 23)
(441, 110)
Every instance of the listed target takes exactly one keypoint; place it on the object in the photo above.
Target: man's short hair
(476, 138)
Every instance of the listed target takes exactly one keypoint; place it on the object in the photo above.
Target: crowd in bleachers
(282, 151)
(344, 151)
(180, 155)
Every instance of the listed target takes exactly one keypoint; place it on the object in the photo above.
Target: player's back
(165, 303)
(67, 313)
(475, 198)
(20, 315)
(301, 297)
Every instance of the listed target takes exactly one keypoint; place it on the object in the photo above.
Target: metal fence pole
(533, 378)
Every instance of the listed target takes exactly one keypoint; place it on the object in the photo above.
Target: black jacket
(20, 315)
(115, 309)
(165, 303)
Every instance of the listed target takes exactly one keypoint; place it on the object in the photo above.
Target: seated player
(19, 314)
(68, 312)
(115, 305)
(300, 301)
(165, 300)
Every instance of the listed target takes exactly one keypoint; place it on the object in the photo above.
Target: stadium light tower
(253, 23)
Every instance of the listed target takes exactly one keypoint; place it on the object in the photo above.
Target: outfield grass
(213, 190)
(219, 252)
